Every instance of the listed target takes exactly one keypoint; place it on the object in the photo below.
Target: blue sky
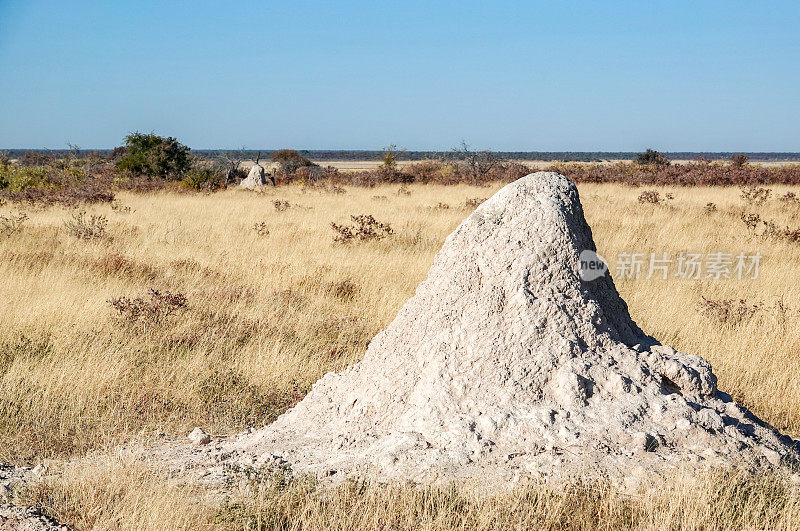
(554, 75)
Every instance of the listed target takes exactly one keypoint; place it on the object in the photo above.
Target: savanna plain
(137, 320)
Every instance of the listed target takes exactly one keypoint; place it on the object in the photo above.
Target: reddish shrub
(154, 308)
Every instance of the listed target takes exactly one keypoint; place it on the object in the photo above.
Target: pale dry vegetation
(256, 302)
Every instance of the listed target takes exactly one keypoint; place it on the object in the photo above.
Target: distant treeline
(369, 155)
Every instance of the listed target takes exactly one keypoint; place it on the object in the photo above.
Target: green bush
(16, 178)
(204, 179)
(4, 181)
(154, 156)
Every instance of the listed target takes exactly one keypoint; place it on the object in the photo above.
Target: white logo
(591, 265)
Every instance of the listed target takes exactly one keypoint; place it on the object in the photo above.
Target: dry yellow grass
(119, 492)
(270, 313)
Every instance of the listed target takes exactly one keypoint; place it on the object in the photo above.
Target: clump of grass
(116, 264)
(23, 348)
(344, 290)
(364, 227)
(86, 227)
(789, 198)
(281, 206)
(281, 501)
(232, 402)
(710, 208)
(154, 308)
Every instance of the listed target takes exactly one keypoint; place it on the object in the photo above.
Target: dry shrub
(154, 308)
(729, 311)
(143, 184)
(769, 229)
(323, 187)
(755, 195)
(789, 198)
(513, 171)
(751, 221)
(697, 173)
(48, 180)
(654, 197)
(70, 196)
(739, 159)
(775, 232)
(281, 206)
(425, 171)
(710, 208)
(119, 208)
(650, 196)
(86, 228)
(12, 223)
(477, 168)
(364, 227)
(261, 228)
(474, 202)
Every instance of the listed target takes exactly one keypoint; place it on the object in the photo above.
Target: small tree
(739, 160)
(154, 156)
(289, 161)
(230, 163)
(479, 164)
(652, 157)
(389, 157)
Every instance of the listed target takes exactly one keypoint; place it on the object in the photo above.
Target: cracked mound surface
(505, 365)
